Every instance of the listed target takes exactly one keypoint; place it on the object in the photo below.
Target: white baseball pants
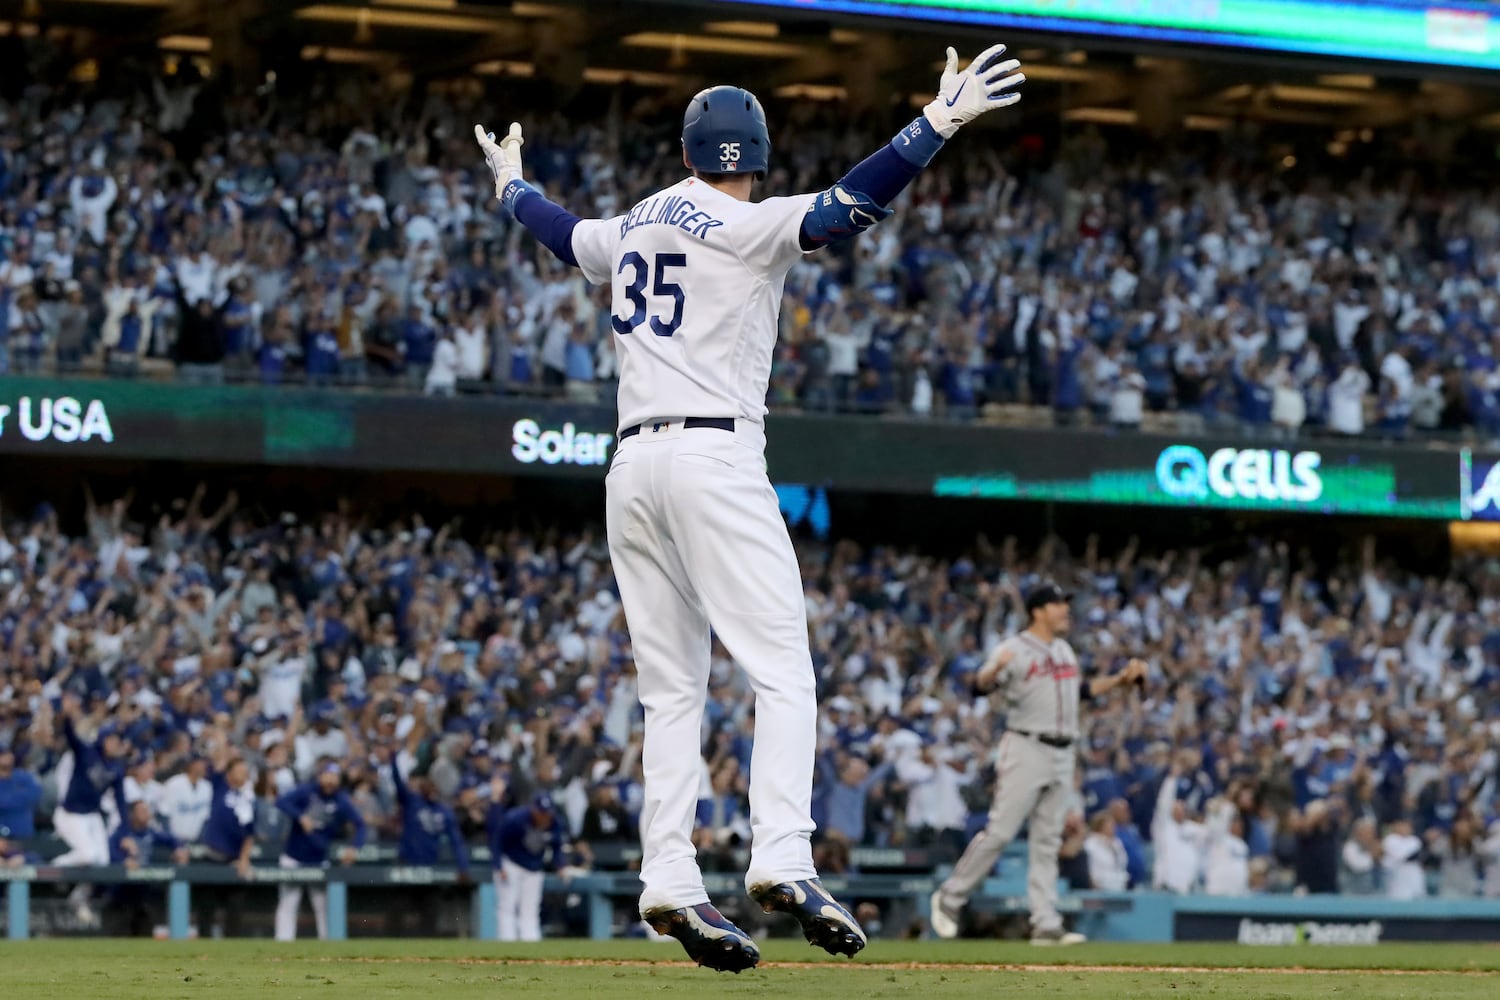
(518, 902)
(1032, 781)
(289, 901)
(84, 833)
(697, 542)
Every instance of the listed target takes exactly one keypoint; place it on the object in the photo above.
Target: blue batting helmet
(724, 132)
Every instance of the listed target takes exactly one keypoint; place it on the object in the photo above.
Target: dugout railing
(1126, 916)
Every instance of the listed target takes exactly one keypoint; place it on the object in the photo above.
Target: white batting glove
(504, 157)
(984, 85)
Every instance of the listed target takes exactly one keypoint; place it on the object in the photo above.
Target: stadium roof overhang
(680, 46)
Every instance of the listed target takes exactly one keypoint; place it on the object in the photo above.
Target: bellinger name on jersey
(670, 210)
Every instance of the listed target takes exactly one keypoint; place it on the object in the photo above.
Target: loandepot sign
(1308, 932)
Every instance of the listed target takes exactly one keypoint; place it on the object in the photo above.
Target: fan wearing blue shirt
(228, 835)
(524, 843)
(19, 794)
(426, 822)
(320, 810)
(137, 841)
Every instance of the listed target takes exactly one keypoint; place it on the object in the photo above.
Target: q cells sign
(1240, 475)
(64, 420)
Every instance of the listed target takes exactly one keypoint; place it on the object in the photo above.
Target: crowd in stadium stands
(1306, 727)
(346, 235)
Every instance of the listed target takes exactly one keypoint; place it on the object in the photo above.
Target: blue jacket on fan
(330, 814)
(231, 819)
(424, 824)
(19, 795)
(93, 774)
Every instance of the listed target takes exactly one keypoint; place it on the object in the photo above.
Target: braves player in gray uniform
(1038, 672)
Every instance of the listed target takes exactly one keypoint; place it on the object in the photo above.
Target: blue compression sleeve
(885, 173)
(548, 222)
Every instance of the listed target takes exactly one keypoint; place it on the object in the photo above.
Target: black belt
(691, 423)
(1060, 742)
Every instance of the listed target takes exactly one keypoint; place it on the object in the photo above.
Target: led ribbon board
(1460, 33)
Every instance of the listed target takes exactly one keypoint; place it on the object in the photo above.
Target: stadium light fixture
(1295, 94)
(605, 75)
(1051, 72)
(711, 44)
(748, 29)
(1102, 116)
(335, 54)
(813, 92)
(501, 67)
(385, 18)
(611, 77)
(1349, 81)
(1205, 123)
(1061, 74)
(185, 43)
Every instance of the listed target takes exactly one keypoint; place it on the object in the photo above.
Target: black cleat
(824, 921)
(708, 937)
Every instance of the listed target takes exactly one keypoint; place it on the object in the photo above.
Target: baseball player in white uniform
(1038, 673)
(696, 538)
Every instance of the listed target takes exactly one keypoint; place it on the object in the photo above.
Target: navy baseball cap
(1044, 594)
(542, 802)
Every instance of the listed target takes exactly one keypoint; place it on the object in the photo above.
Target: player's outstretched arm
(1135, 672)
(550, 223)
(859, 200)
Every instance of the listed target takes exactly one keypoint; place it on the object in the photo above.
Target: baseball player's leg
(319, 899)
(72, 828)
(670, 638)
(98, 838)
(725, 517)
(1019, 778)
(507, 902)
(288, 900)
(1044, 838)
(530, 904)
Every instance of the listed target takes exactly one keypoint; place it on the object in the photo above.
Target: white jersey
(281, 687)
(696, 278)
(186, 806)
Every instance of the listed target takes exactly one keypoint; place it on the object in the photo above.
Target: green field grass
(460, 970)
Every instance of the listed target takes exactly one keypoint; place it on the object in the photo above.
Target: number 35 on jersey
(664, 308)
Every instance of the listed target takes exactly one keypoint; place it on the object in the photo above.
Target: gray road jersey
(1041, 686)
